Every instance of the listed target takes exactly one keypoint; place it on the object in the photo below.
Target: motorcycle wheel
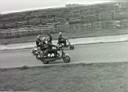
(71, 47)
(38, 57)
(45, 61)
(66, 59)
(33, 52)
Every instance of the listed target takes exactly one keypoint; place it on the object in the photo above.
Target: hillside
(108, 16)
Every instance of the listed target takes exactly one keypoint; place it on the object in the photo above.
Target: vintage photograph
(64, 45)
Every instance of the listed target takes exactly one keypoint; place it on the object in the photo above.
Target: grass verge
(102, 77)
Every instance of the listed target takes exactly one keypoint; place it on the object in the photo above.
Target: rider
(49, 49)
(38, 40)
(61, 39)
(43, 44)
(49, 38)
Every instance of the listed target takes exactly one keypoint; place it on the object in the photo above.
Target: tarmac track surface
(91, 53)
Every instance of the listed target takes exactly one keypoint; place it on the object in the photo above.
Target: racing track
(91, 53)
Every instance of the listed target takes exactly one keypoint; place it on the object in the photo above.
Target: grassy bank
(111, 77)
(80, 21)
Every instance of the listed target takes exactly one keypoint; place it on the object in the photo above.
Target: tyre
(71, 47)
(66, 59)
(33, 52)
(38, 57)
(45, 61)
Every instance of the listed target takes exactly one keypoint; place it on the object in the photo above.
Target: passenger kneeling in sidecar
(65, 43)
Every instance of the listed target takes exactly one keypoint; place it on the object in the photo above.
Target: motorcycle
(55, 54)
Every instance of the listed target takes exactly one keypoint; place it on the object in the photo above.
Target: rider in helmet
(43, 44)
(48, 46)
(50, 49)
(61, 39)
(38, 40)
(49, 38)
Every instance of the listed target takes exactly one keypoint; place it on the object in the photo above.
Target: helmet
(60, 33)
(38, 37)
(43, 38)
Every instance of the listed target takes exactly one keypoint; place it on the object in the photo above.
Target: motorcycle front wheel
(66, 59)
